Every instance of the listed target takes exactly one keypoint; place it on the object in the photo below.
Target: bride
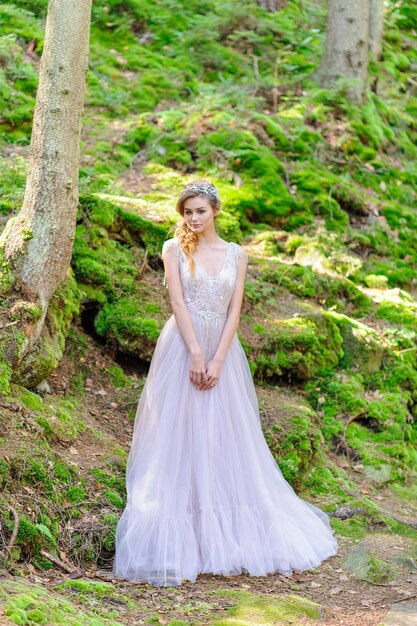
(204, 493)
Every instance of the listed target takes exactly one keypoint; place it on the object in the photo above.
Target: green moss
(304, 282)
(114, 498)
(36, 471)
(27, 603)
(62, 471)
(96, 588)
(362, 345)
(95, 591)
(324, 481)
(369, 567)
(119, 378)
(97, 210)
(110, 520)
(294, 445)
(6, 275)
(134, 333)
(5, 372)
(299, 346)
(352, 528)
(403, 313)
(255, 609)
(375, 281)
(31, 400)
(147, 233)
(44, 357)
(76, 494)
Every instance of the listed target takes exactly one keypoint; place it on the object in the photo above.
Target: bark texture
(273, 5)
(36, 245)
(347, 46)
(376, 27)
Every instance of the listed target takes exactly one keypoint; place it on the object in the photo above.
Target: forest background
(318, 178)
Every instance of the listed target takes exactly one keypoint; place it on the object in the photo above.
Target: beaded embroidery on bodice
(204, 294)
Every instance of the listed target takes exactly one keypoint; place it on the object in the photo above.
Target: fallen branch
(404, 599)
(9, 324)
(398, 519)
(15, 529)
(58, 562)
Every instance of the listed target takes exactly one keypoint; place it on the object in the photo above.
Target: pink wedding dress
(204, 491)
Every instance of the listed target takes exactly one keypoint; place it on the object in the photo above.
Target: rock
(43, 387)
(363, 347)
(363, 564)
(381, 475)
(310, 254)
(114, 459)
(345, 512)
(401, 614)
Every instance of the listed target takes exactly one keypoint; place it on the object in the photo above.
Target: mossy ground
(322, 195)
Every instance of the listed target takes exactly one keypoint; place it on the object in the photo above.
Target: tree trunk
(347, 45)
(376, 27)
(36, 245)
(273, 5)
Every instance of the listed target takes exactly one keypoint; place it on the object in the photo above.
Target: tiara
(203, 187)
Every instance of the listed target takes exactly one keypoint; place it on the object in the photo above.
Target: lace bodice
(204, 294)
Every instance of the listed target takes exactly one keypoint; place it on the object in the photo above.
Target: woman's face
(198, 214)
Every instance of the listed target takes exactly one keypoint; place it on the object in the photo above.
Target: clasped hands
(202, 376)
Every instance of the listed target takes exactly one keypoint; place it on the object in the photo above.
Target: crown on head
(203, 187)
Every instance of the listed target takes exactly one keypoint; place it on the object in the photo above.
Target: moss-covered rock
(292, 432)
(363, 347)
(298, 346)
(123, 325)
(254, 609)
(329, 290)
(28, 603)
(365, 565)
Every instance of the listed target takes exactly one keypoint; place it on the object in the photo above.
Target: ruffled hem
(227, 541)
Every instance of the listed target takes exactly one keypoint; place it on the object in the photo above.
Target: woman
(204, 491)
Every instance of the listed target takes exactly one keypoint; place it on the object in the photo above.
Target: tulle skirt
(204, 491)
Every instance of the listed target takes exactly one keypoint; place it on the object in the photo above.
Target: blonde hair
(186, 237)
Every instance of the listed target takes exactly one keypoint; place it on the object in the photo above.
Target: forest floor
(343, 597)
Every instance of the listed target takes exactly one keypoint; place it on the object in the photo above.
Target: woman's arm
(231, 324)
(181, 314)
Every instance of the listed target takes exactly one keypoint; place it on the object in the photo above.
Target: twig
(144, 265)
(58, 562)
(403, 599)
(9, 324)
(353, 418)
(15, 529)
(256, 67)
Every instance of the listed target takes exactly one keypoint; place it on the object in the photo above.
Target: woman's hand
(213, 371)
(197, 369)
